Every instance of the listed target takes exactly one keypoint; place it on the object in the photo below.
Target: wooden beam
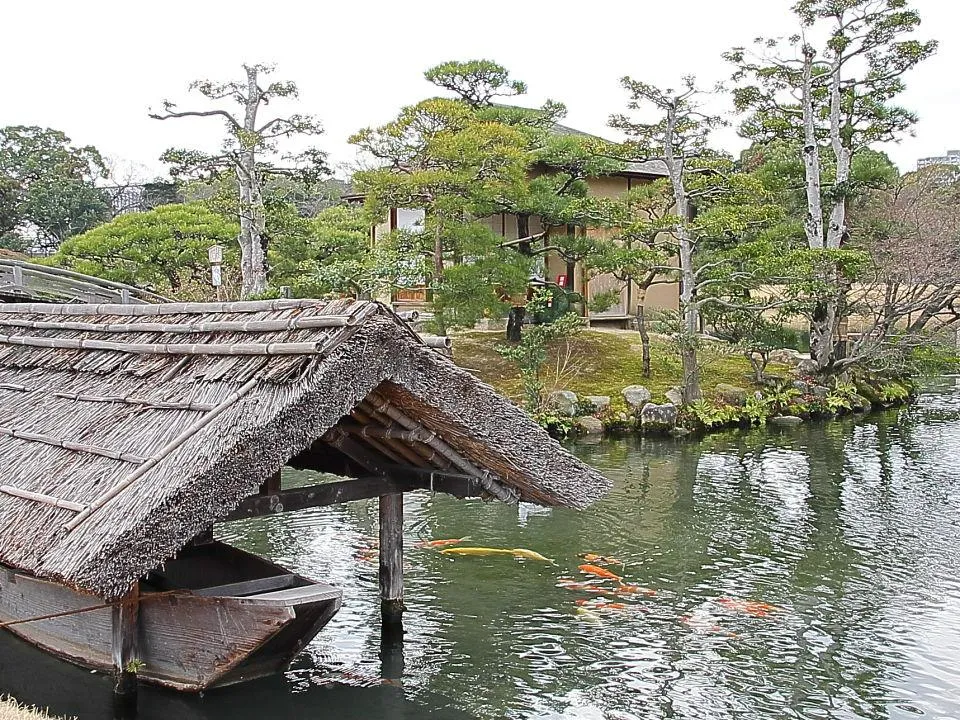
(400, 480)
(322, 495)
(126, 650)
(391, 557)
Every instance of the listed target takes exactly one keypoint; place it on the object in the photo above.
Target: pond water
(808, 572)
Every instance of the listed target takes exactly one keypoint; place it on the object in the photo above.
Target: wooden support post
(391, 558)
(126, 652)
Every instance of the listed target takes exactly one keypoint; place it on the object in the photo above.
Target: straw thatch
(127, 429)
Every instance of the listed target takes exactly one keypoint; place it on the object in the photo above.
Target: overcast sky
(92, 69)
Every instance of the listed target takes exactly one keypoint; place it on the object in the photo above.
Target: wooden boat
(214, 616)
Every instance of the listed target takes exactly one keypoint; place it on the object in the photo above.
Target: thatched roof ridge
(127, 429)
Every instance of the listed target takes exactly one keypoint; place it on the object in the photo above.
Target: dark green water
(850, 529)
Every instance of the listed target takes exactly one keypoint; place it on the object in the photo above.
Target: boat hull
(188, 638)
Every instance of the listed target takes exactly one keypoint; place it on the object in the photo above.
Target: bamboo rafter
(166, 450)
(252, 326)
(296, 348)
(489, 484)
(41, 498)
(431, 456)
(127, 399)
(74, 446)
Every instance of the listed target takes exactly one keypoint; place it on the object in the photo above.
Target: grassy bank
(601, 363)
(10, 709)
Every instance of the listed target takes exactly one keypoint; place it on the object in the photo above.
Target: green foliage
(530, 353)
(476, 82)
(49, 184)
(559, 426)
(164, 249)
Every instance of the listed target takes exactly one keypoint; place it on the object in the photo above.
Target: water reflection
(848, 529)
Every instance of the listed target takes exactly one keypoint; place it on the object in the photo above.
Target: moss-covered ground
(602, 363)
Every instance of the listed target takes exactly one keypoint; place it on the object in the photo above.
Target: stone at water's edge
(599, 402)
(654, 416)
(589, 425)
(675, 395)
(563, 401)
(786, 420)
(731, 394)
(636, 396)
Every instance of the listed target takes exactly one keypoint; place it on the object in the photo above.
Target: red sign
(562, 280)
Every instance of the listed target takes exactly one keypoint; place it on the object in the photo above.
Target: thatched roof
(127, 429)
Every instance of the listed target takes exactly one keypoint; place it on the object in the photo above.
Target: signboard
(216, 275)
(215, 254)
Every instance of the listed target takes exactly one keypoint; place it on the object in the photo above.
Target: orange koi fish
(749, 607)
(599, 572)
(626, 589)
(441, 543)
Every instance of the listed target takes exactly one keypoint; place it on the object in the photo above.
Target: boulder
(731, 394)
(802, 387)
(636, 396)
(786, 420)
(785, 356)
(589, 425)
(675, 395)
(859, 403)
(662, 417)
(563, 402)
(820, 391)
(598, 402)
(807, 368)
(679, 432)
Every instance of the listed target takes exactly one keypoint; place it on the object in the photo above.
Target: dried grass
(10, 709)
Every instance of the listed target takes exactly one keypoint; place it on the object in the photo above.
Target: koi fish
(599, 572)
(582, 587)
(480, 551)
(600, 559)
(626, 589)
(441, 543)
(749, 607)
(588, 616)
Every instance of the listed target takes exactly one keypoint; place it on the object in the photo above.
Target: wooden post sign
(215, 256)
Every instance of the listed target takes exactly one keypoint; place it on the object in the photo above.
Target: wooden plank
(249, 587)
(302, 595)
(391, 555)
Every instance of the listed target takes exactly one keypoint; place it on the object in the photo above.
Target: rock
(859, 403)
(636, 396)
(801, 386)
(731, 394)
(675, 395)
(808, 368)
(654, 416)
(589, 425)
(679, 432)
(773, 381)
(820, 391)
(786, 420)
(563, 401)
(785, 356)
(598, 402)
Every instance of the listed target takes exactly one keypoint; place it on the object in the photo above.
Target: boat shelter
(128, 430)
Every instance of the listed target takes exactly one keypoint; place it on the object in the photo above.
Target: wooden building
(129, 430)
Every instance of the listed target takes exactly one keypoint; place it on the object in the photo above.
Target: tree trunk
(515, 323)
(813, 225)
(837, 230)
(642, 329)
(253, 255)
(689, 308)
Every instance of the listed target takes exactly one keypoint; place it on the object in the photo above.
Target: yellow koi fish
(481, 551)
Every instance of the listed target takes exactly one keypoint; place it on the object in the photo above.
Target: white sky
(92, 69)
